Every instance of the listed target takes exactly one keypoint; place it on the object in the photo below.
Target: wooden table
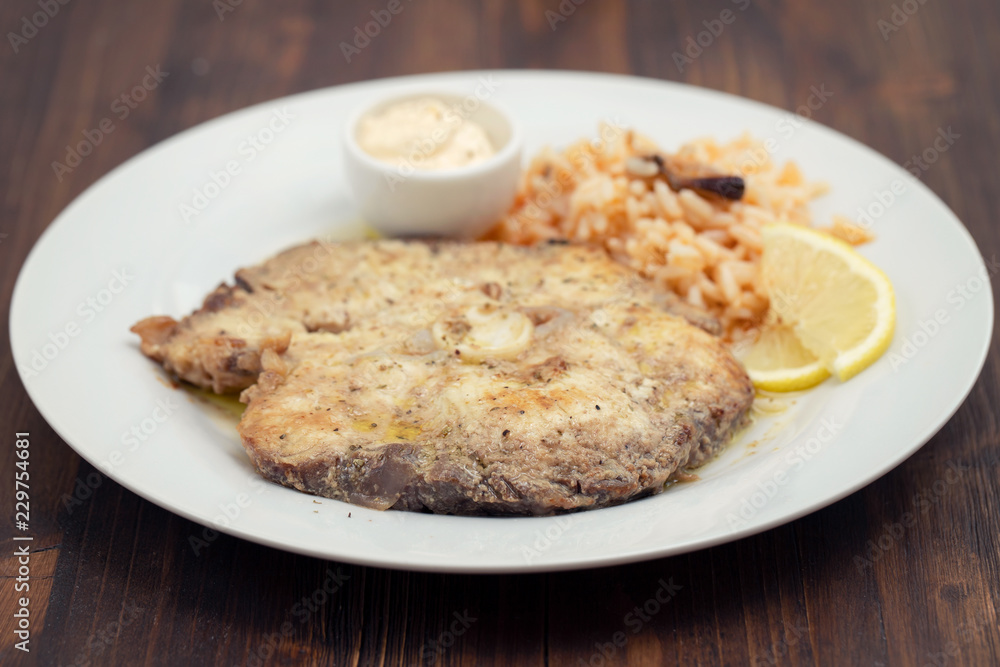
(115, 581)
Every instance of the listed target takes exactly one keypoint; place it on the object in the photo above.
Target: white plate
(96, 386)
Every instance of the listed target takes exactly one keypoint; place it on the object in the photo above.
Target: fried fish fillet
(460, 378)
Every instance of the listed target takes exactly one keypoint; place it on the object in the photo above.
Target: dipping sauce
(424, 133)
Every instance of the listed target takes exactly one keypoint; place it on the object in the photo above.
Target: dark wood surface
(115, 582)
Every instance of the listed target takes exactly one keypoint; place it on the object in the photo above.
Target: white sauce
(423, 134)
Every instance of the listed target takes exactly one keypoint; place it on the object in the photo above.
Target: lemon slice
(777, 361)
(839, 305)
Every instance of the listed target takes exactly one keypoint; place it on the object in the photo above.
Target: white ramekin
(460, 202)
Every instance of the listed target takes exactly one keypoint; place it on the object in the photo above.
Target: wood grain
(114, 581)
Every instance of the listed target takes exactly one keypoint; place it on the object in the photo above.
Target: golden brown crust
(461, 378)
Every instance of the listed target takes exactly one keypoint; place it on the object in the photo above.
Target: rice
(705, 249)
